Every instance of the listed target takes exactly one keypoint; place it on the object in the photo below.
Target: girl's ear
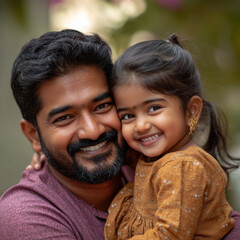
(31, 133)
(195, 106)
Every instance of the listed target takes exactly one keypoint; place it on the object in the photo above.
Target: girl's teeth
(150, 138)
(93, 148)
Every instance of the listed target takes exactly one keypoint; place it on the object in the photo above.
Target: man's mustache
(110, 135)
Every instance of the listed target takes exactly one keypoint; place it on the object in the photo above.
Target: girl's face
(152, 123)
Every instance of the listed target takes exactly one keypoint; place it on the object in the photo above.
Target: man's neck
(97, 195)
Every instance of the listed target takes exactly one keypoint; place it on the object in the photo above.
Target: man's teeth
(150, 138)
(93, 148)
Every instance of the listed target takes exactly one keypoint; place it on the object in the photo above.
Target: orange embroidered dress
(180, 196)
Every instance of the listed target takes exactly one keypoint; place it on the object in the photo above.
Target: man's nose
(142, 124)
(90, 127)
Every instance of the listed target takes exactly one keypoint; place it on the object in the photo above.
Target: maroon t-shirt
(39, 207)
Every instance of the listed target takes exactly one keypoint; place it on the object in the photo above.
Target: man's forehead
(84, 79)
(80, 87)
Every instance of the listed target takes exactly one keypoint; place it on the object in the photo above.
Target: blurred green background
(211, 30)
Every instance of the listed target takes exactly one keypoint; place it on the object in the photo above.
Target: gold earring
(192, 125)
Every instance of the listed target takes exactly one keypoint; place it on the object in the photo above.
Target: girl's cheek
(127, 133)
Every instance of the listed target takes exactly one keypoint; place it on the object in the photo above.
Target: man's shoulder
(235, 232)
(38, 191)
(26, 201)
(39, 203)
(25, 212)
(32, 186)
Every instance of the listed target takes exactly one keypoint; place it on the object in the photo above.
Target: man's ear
(31, 133)
(195, 106)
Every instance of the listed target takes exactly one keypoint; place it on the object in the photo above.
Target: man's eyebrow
(65, 108)
(102, 96)
(145, 102)
(57, 111)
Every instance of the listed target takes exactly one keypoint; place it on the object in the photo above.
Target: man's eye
(62, 118)
(154, 108)
(127, 117)
(103, 105)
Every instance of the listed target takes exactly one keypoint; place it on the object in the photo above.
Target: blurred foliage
(18, 10)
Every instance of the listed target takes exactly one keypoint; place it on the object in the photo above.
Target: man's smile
(93, 148)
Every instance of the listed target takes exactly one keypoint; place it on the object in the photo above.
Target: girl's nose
(142, 125)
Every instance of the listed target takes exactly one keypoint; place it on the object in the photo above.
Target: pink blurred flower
(53, 2)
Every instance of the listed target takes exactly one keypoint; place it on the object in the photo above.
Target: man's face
(78, 126)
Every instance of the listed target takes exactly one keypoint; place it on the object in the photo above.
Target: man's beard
(101, 172)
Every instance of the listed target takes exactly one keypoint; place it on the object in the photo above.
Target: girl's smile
(148, 140)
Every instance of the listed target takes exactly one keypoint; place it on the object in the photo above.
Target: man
(60, 82)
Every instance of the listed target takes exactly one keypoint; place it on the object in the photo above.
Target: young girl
(178, 192)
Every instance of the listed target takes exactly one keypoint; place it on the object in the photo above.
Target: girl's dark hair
(166, 67)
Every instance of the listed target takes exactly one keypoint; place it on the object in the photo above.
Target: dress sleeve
(180, 187)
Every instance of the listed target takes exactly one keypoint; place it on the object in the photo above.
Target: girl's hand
(38, 160)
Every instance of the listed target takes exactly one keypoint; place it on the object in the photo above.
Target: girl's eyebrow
(143, 103)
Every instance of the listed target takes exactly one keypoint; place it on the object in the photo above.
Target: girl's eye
(127, 116)
(154, 108)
